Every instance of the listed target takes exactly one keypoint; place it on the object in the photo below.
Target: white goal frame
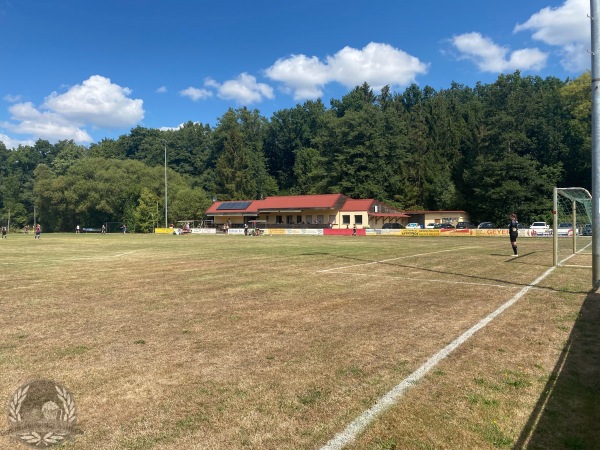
(570, 193)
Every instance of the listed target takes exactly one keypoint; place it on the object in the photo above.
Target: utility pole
(595, 23)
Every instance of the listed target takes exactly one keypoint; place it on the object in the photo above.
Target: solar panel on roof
(234, 205)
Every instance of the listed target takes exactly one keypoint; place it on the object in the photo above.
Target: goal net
(572, 227)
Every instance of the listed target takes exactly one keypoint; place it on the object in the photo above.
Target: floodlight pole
(166, 208)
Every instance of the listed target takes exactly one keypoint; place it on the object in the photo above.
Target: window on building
(346, 219)
(320, 218)
(278, 219)
(290, 220)
(298, 219)
(308, 219)
(358, 219)
(331, 218)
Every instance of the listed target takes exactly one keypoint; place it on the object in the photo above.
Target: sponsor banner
(455, 232)
(306, 231)
(535, 233)
(344, 232)
(416, 232)
(163, 230)
(490, 232)
(275, 231)
(204, 231)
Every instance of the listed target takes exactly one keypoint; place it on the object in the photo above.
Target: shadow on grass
(567, 415)
(450, 272)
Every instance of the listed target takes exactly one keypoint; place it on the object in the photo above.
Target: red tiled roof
(430, 212)
(282, 203)
(357, 204)
(322, 201)
(251, 209)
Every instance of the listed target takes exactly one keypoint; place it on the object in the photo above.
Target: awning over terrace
(387, 217)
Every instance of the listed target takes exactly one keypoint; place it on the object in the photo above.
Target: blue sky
(93, 69)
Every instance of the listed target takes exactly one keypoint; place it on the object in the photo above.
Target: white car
(565, 229)
(540, 228)
(430, 225)
(412, 226)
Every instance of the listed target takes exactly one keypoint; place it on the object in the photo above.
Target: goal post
(572, 220)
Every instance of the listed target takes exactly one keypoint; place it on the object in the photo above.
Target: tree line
(490, 150)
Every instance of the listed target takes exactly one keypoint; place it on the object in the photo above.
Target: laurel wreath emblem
(68, 404)
(14, 408)
(46, 439)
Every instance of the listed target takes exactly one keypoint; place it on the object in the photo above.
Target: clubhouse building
(334, 211)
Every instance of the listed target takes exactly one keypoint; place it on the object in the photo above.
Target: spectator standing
(3, 232)
(38, 231)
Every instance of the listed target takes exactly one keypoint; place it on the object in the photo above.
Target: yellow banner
(418, 232)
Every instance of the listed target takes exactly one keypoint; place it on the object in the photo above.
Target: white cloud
(377, 64)
(560, 26)
(96, 102)
(490, 57)
(244, 89)
(43, 125)
(303, 76)
(99, 102)
(161, 90)
(12, 98)
(14, 143)
(178, 127)
(567, 27)
(196, 94)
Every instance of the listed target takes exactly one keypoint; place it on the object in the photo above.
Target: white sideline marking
(392, 396)
(82, 258)
(393, 259)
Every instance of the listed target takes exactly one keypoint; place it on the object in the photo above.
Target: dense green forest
(489, 150)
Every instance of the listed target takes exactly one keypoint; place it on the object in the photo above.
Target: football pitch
(305, 342)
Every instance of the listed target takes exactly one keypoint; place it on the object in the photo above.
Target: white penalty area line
(359, 424)
(428, 280)
(393, 259)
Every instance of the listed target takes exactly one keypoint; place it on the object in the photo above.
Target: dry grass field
(275, 342)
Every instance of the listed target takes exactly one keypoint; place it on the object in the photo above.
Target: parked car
(486, 225)
(464, 225)
(540, 228)
(586, 230)
(565, 229)
(430, 225)
(413, 226)
(392, 225)
(443, 225)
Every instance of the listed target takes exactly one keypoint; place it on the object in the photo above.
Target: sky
(88, 70)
